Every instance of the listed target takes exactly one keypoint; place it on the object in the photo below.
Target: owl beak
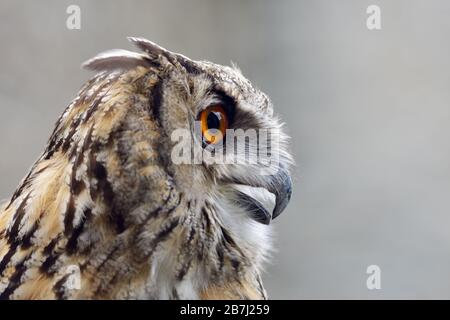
(281, 187)
(266, 202)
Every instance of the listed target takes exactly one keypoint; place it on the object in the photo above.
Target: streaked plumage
(106, 198)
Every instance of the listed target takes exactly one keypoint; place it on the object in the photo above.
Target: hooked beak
(282, 188)
(266, 202)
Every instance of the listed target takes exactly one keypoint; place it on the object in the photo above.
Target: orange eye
(214, 122)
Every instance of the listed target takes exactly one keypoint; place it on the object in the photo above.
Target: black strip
(220, 255)
(76, 186)
(51, 246)
(26, 240)
(91, 163)
(72, 243)
(94, 105)
(109, 256)
(117, 220)
(103, 183)
(206, 219)
(164, 233)
(54, 142)
(235, 264)
(19, 190)
(73, 129)
(48, 264)
(156, 98)
(271, 309)
(104, 287)
(187, 250)
(7, 257)
(69, 216)
(190, 66)
(227, 237)
(18, 216)
(51, 255)
(175, 294)
(14, 280)
(58, 287)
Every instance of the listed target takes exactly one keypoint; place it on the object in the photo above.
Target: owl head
(219, 139)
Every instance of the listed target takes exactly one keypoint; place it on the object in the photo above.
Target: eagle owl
(106, 213)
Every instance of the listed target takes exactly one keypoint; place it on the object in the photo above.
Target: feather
(155, 51)
(149, 47)
(116, 59)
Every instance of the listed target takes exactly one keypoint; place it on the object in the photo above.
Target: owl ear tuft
(116, 59)
(157, 54)
(154, 55)
(151, 48)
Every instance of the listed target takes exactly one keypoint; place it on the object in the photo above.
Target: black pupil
(213, 120)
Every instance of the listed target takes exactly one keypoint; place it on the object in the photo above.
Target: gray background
(368, 112)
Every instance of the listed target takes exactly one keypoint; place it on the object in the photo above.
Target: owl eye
(214, 122)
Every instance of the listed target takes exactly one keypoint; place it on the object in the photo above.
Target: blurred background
(368, 112)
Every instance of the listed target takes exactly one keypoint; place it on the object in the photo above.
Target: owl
(110, 211)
